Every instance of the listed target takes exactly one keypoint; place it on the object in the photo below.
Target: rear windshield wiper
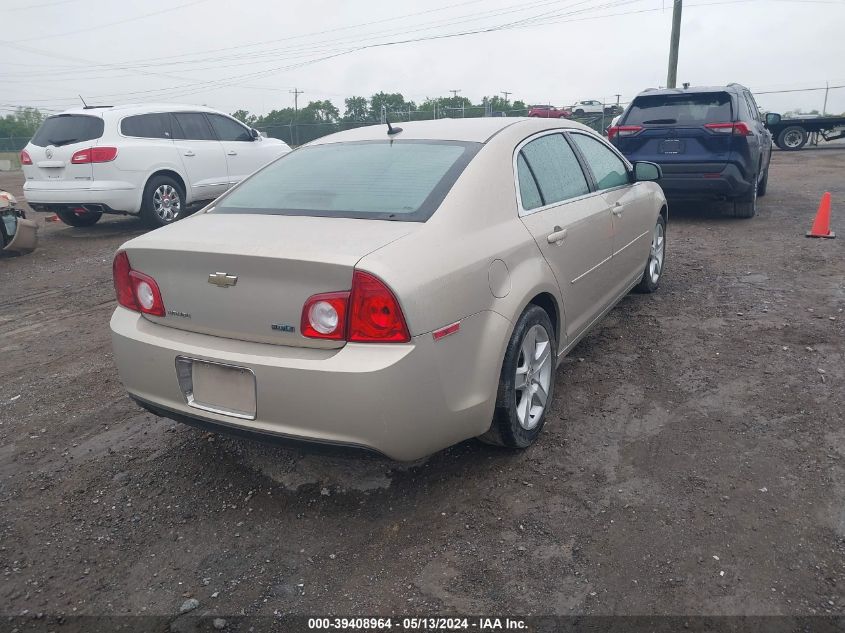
(660, 122)
(62, 141)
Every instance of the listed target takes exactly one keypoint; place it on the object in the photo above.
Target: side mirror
(256, 135)
(645, 171)
(772, 118)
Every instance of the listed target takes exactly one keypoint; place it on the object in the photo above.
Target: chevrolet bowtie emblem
(222, 280)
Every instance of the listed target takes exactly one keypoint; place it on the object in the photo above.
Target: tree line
(358, 109)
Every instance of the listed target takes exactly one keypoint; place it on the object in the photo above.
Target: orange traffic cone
(821, 225)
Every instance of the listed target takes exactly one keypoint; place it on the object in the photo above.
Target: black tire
(745, 207)
(579, 111)
(648, 282)
(764, 183)
(506, 429)
(155, 212)
(71, 218)
(792, 138)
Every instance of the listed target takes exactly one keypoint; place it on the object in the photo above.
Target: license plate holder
(671, 146)
(217, 387)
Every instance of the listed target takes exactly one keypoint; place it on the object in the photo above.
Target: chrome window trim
(522, 211)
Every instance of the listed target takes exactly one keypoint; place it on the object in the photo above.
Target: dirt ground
(693, 462)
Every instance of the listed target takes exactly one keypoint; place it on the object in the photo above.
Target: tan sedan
(400, 290)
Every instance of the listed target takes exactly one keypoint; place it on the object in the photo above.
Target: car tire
(792, 138)
(745, 207)
(72, 218)
(653, 272)
(764, 183)
(163, 202)
(531, 354)
(579, 111)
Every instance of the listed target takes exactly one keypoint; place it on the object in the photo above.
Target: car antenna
(392, 130)
(83, 102)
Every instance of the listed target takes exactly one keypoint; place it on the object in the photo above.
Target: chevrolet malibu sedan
(395, 289)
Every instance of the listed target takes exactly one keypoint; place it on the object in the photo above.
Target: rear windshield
(685, 109)
(399, 180)
(65, 129)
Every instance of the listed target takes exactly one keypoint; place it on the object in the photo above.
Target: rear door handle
(232, 152)
(618, 208)
(557, 236)
(190, 153)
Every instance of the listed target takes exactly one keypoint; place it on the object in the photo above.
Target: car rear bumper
(103, 196)
(403, 400)
(703, 181)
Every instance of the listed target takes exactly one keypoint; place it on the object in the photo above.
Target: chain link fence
(13, 143)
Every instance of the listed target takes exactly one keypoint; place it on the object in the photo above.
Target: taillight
(738, 129)
(369, 313)
(135, 290)
(25, 158)
(324, 316)
(623, 130)
(374, 312)
(94, 155)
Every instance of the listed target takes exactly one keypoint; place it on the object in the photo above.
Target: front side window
(146, 126)
(229, 130)
(608, 169)
(65, 129)
(555, 169)
(387, 180)
(191, 126)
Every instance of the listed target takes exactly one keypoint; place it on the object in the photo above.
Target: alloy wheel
(166, 203)
(658, 250)
(533, 377)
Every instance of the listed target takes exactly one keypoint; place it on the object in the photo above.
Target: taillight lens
(94, 155)
(25, 158)
(369, 313)
(324, 316)
(738, 129)
(623, 130)
(135, 290)
(374, 312)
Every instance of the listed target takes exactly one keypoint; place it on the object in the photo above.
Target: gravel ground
(693, 461)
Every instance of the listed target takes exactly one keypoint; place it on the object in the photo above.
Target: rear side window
(229, 130)
(65, 129)
(608, 169)
(147, 126)
(394, 180)
(684, 109)
(191, 126)
(555, 169)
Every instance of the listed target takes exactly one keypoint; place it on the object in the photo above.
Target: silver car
(395, 289)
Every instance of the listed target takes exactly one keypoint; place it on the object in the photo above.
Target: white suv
(147, 160)
(590, 106)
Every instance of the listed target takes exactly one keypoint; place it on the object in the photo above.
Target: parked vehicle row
(148, 160)
(396, 289)
(711, 142)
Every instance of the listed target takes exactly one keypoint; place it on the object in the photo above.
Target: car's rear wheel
(579, 111)
(792, 138)
(526, 384)
(72, 218)
(656, 258)
(745, 207)
(163, 202)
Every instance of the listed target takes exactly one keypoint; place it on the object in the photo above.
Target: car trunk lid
(247, 277)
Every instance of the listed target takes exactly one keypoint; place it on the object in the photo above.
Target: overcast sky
(250, 54)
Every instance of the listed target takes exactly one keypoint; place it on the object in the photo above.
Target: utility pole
(454, 93)
(295, 92)
(506, 93)
(674, 42)
(826, 90)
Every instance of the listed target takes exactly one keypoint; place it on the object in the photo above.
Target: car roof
(691, 89)
(138, 108)
(474, 130)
